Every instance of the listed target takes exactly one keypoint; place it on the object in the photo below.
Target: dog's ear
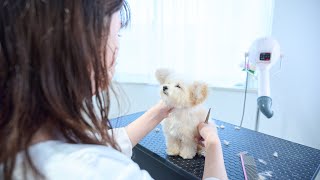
(198, 92)
(162, 74)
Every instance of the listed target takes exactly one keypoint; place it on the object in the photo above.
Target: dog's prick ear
(162, 74)
(199, 92)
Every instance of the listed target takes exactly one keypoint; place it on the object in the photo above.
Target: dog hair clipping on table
(237, 128)
(222, 126)
(226, 142)
(157, 130)
(266, 174)
(275, 154)
(262, 161)
(260, 177)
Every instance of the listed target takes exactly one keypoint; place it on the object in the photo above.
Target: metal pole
(257, 119)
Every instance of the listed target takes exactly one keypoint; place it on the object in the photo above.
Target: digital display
(265, 56)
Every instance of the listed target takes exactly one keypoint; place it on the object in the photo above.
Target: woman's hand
(161, 110)
(214, 162)
(148, 121)
(208, 134)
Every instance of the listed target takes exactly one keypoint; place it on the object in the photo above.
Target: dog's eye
(178, 86)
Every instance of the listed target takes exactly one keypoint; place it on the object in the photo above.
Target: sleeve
(123, 140)
(131, 172)
(96, 165)
(119, 167)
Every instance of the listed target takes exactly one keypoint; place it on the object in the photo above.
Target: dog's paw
(187, 154)
(173, 151)
(201, 152)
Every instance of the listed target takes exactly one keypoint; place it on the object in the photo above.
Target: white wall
(295, 90)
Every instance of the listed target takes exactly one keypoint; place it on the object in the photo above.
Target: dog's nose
(165, 88)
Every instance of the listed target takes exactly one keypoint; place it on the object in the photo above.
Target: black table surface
(294, 161)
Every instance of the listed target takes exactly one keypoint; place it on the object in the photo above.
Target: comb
(249, 167)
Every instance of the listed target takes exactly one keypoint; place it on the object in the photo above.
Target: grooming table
(294, 161)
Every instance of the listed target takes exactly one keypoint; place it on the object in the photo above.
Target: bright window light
(206, 39)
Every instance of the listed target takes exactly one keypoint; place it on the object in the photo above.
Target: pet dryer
(263, 54)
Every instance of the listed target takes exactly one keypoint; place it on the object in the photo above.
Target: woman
(54, 56)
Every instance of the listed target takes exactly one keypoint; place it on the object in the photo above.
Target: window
(206, 39)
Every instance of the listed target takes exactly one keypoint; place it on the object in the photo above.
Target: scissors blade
(208, 115)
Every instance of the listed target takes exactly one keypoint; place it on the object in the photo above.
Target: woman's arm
(149, 120)
(214, 163)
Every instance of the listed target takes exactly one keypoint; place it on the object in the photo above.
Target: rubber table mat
(294, 161)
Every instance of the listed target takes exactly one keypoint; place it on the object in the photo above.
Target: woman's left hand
(148, 121)
(162, 110)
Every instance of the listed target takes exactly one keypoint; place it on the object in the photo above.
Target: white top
(60, 160)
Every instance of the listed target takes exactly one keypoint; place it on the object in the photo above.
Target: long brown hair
(48, 51)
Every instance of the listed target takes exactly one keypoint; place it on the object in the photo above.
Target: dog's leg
(188, 149)
(173, 145)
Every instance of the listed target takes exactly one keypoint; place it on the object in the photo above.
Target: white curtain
(206, 39)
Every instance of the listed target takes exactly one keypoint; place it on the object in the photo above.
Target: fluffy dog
(180, 127)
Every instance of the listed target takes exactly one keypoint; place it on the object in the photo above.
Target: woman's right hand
(208, 133)
(214, 162)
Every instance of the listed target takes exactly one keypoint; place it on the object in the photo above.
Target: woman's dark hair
(49, 50)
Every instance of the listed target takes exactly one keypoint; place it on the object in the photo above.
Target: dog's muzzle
(164, 89)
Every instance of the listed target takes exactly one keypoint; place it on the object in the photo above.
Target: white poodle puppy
(180, 127)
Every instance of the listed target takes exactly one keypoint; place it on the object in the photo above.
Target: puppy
(180, 127)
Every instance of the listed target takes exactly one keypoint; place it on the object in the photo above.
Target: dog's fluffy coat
(180, 127)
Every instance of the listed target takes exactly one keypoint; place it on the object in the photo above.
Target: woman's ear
(162, 75)
(198, 92)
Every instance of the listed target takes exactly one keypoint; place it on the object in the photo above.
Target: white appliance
(263, 54)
